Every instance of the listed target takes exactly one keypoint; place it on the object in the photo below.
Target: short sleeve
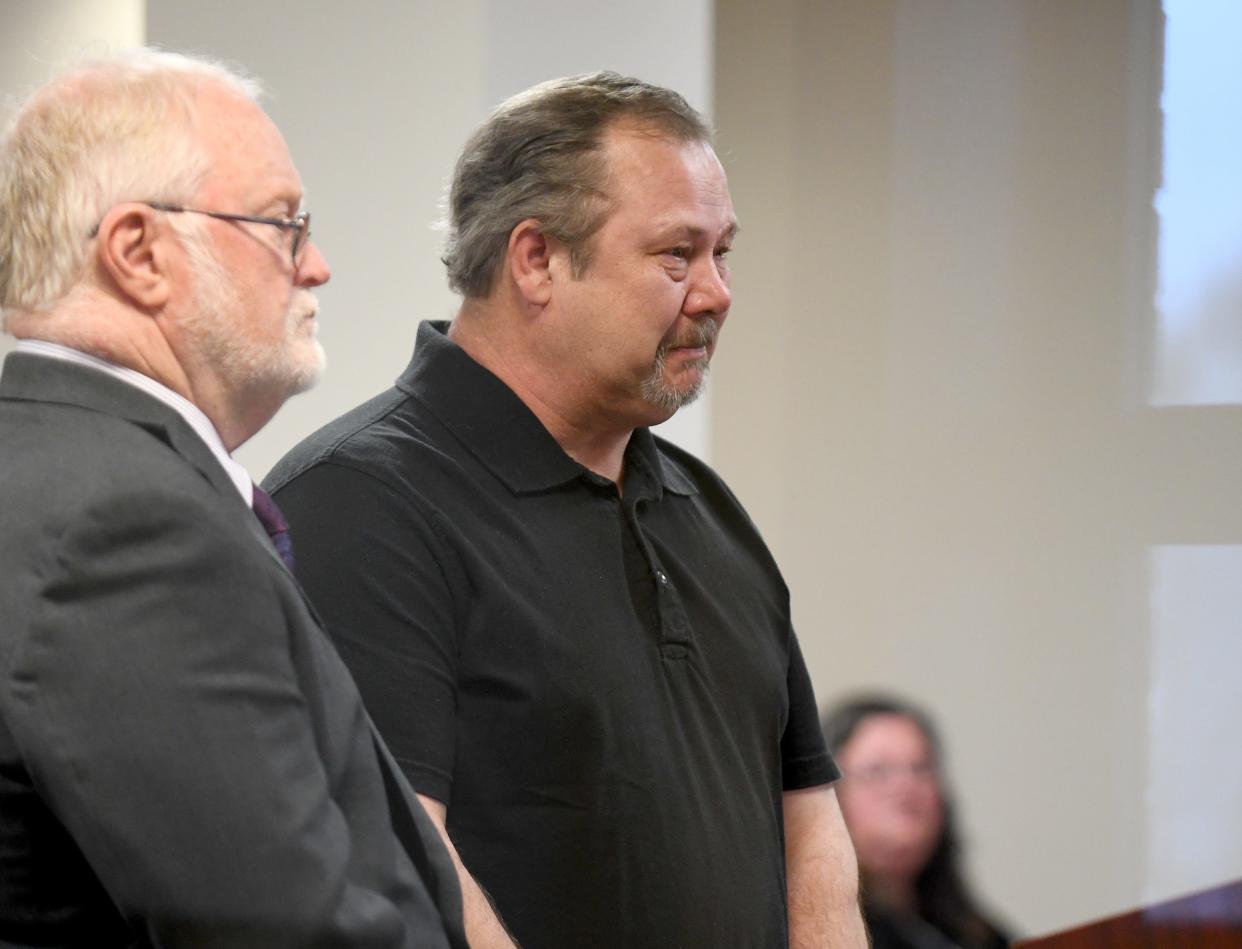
(374, 570)
(805, 761)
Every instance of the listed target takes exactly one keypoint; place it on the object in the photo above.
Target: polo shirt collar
(498, 428)
(644, 445)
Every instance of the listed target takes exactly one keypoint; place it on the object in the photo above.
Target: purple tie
(274, 523)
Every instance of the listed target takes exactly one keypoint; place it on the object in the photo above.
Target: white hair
(108, 130)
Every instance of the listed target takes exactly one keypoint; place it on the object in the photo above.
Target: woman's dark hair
(943, 899)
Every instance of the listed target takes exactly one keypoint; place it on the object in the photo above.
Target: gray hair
(539, 155)
(109, 130)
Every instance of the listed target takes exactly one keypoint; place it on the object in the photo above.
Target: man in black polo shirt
(569, 632)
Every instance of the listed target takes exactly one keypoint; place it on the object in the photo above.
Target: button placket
(675, 638)
(674, 632)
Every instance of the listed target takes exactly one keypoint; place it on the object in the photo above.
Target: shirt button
(661, 576)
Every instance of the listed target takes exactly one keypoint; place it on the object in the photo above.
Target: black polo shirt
(605, 690)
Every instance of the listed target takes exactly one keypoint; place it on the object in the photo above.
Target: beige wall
(933, 397)
(37, 36)
(932, 391)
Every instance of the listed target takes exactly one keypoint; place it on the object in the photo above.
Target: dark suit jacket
(183, 758)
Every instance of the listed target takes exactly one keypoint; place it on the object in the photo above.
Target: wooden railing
(1211, 919)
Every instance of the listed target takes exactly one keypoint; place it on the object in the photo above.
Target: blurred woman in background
(895, 804)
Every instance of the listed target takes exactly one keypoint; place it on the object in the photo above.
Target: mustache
(303, 304)
(702, 333)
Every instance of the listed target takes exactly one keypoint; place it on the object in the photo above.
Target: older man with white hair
(183, 758)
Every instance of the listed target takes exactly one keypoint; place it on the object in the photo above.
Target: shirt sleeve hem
(427, 780)
(809, 772)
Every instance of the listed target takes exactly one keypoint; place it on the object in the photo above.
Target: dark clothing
(890, 930)
(605, 690)
(184, 760)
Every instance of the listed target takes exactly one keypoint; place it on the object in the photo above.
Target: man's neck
(191, 413)
(597, 447)
(133, 340)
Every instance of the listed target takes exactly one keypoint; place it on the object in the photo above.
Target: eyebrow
(697, 233)
(289, 204)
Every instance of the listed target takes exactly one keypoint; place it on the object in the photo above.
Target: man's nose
(709, 294)
(313, 269)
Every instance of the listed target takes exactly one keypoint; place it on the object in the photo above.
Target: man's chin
(669, 397)
(312, 368)
(303, 368)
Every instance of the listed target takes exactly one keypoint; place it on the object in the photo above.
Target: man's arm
(484, 930)
(390, 593)
(822, 873)
(383, 582)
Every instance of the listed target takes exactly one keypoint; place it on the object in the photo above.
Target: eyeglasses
(299, 223)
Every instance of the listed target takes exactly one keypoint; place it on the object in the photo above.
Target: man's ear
(529, 259)
(133, 247)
